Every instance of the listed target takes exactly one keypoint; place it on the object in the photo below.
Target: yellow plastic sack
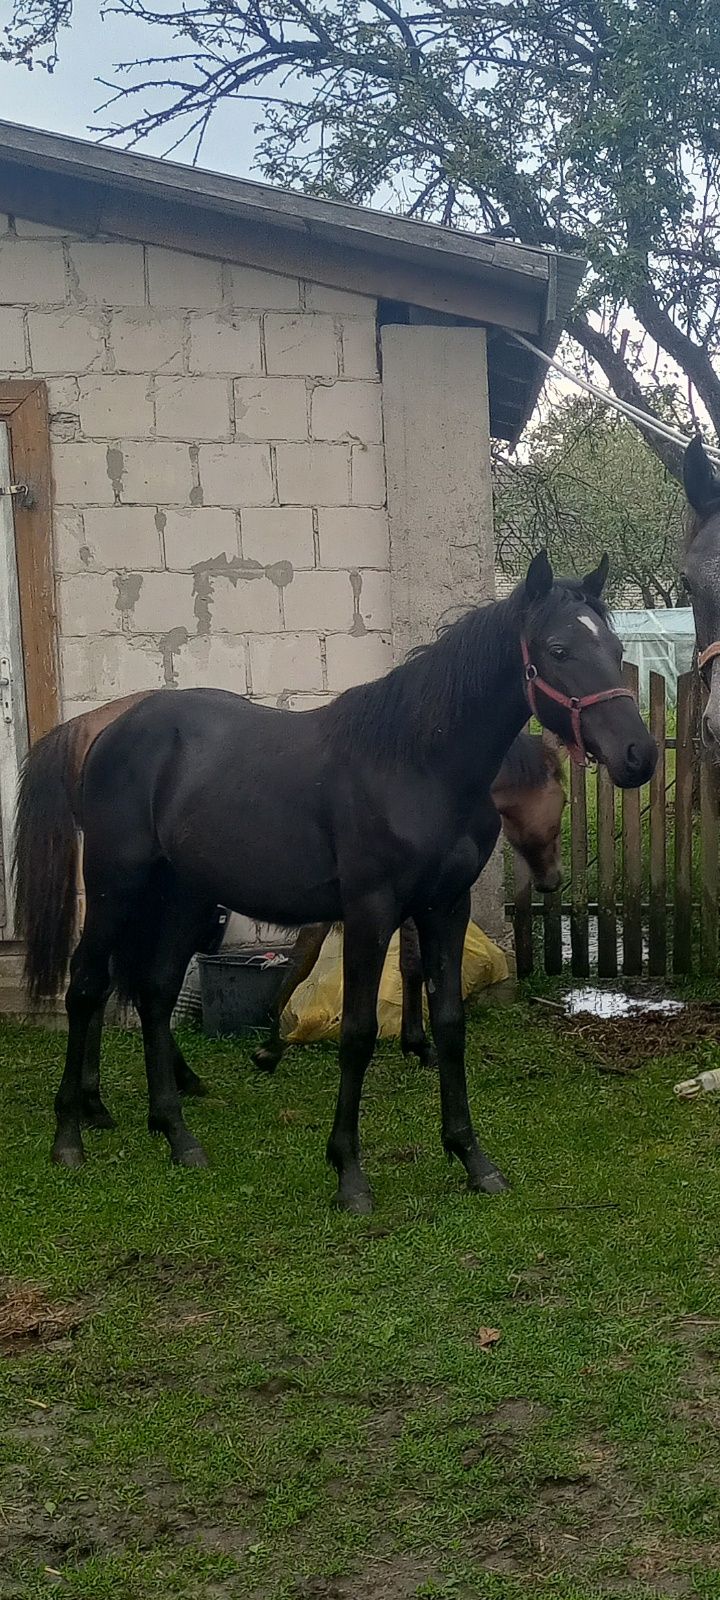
(315, 1009)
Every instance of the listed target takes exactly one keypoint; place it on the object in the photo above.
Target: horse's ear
(702, 488)
(594, 582)
(539, 578)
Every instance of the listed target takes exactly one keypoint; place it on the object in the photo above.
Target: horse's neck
(494, 712)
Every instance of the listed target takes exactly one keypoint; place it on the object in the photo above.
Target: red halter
(576, 749)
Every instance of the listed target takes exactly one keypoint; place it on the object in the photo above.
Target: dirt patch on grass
(622, 1044)
(397, 1578)
(30, 1319)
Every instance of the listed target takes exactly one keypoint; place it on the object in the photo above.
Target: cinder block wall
(218, 466)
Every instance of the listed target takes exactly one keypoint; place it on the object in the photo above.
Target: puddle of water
(613, 1003)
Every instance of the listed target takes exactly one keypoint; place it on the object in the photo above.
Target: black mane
(530, 763)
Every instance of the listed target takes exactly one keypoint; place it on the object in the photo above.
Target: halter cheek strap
(706, 656)
(573, 703)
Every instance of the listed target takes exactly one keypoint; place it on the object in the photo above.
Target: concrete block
(32, 273)
(122, 537)
(156, 474)
(305, 344)
(70, 552)
(192, 408)
(221, 342)
(107, 274)
(146, 341)
(87, 604)
(313, 474)
(371, 590)
(278, 533)
(13, 355)
(319, 602)
(284, 662)
(66, 342)
(196, 535)
(352, 660)
(339, 302)
(244, 605)
(80, 473)
(177, 279)
(4, 223)
(358, 343)
(159, 603)
(271, 408)
(116, 406)
(368, 475)
(236, 475)
(213, 661)
(262, 291)
(63, 395)
(109, 666)
(347, 410)
(353, 536)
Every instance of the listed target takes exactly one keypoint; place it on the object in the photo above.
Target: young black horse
(526, 800)
(702, 580)
(355, 812)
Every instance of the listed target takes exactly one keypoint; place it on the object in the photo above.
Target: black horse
(702, 579)
(354, 812)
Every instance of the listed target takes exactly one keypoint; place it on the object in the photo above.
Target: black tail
(45, 867)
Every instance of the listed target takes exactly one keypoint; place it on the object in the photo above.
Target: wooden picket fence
(641, 889)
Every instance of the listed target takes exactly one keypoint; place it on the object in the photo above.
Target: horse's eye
(558, 652)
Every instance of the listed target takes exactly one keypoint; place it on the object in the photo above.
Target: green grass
(263, 1398)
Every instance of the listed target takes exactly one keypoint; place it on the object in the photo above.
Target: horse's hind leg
(442, 939)
(85, 1000)
(95, 1113)
(186, 1080)
(177, 936)
(308, 945)
(365, 941)
(413, 1038)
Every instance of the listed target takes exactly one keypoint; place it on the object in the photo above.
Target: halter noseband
(573, 703)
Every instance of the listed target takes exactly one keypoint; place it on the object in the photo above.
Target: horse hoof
(489, 1182)
(264, 1060)
(98, 1117)
(356, 1202)
(193, 1156)
(194, 1086)
(68, 1155)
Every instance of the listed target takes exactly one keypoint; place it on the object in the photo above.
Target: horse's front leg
(367, 933)
(442, 939)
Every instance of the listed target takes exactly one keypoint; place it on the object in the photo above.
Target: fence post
(709, 857)
(632, 862)
(522, 916)
(607, 907)
(657, 952)
(579, 941)
(687, 700)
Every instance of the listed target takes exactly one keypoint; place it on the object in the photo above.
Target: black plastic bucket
(240, 989)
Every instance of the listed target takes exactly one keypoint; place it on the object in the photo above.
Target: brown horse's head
(530, 797)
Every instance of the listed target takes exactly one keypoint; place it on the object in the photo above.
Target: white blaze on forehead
(587, 622)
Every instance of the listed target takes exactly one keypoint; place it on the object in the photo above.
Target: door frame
(24, 410)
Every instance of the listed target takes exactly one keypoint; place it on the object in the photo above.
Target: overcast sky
(66, 101)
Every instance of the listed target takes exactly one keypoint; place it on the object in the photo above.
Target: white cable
(633, 412)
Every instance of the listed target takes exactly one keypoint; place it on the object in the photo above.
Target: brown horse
(527, 801)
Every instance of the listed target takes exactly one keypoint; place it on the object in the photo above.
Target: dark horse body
(702, 580)
(356, 812)
(526, 801)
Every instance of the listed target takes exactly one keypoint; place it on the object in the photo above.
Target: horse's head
(702, 578)
(531, 815)
(573, 663)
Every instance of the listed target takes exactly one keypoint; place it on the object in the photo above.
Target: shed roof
(437, 272)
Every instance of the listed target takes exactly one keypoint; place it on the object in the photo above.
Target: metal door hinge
(20, 492)
(6, 705)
